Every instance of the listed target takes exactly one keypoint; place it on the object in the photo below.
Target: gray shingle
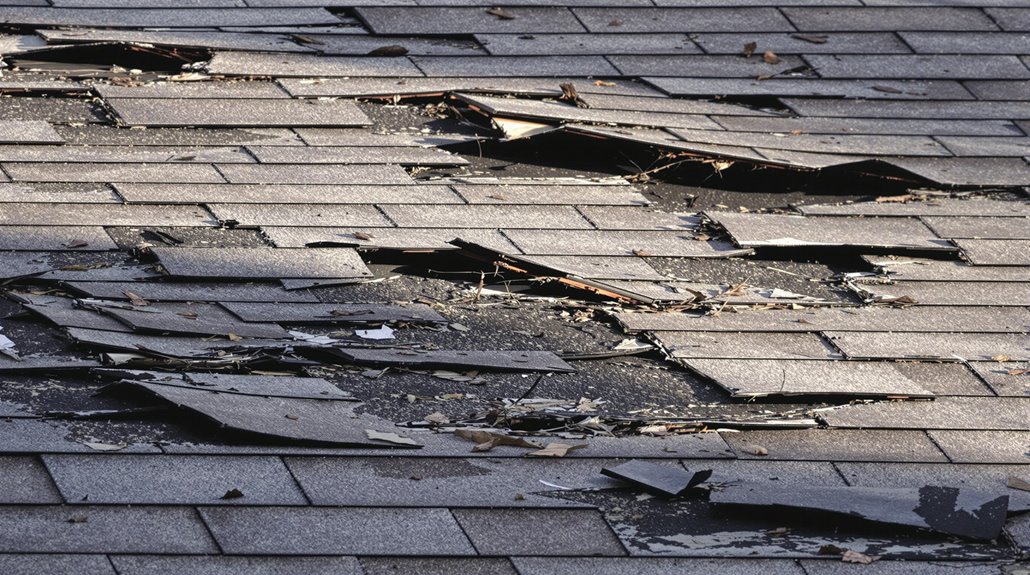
(978, 294)
(408, 155)
(599, 267)
(123, 155)
(104, 135)
(536, 531)
(979, 227)
(222, 565)
(869, 126)
(306, 65)
(911, 270)
(319, 530)
(996, 252)
(304, 215)
(794, 346)
(634, 218)
(968, 171)
(452, 20)
(1007, 379)
(705, 66)
(988, 478)
(869, 89)
(950, 66)
(551, 195)
(1011, 19)
(586, 44)
(626, 20)
(16, 564)
(984, 446)
(334, 312)
(387, 238)
(56, 238)
(313, 174)
(505, 66)
(652, 565)
(911, 110)
(813, 19)
(262, 263)
(987, 147)
(219, 40)
(753, 230)
(972, 206)
(35, 132)
(621, 243)
(836, 445)
(1000, 89)
(415, 482)
(287, 194)
(437, 566)
(966, 43)
(942, 346)
(389, 87)
(841, 43)
(103, 215)
(828, 143)
(193, 291)
(191, 319)
(159, 18)
(157, 173)
(191, 90)
(25, 480)
(235, 112)
(976, 413)
(107, 529)
(179, 480)
(360, 45)
(831, 567)
(486, 216)
(564, 113)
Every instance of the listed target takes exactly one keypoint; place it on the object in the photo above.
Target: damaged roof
(655, 286)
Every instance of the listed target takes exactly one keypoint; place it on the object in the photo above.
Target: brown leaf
(702, 237)
(135, 299)
(856, 557)
(1017, 372)
(76, 244)
(642, 253)
(78, 519)
(770, 57)
(391, 51)
(365, 236)
(232, 494)
(1018, 483)
(187, 314)
(749, 49)
(811, 38)
(1000, 358)
(615, 22)
(501, 13)
(830, 549)
(604, 83)
(485, 440)
(233, 337)
(556, 450)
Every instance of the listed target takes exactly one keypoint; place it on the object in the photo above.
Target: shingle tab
(304, 215)
(908, 128)
(869, 89)
(103, 215)
(940, 346)
(525, 532)
(739, 346)
(621, 243)
(286, 194)
(966, 43)
(979, 413)
(161, 18)
(235, 112)
(262, 263)
(984, 446)
(225, 565)
(338, 531)
(910, 110)
(996, 252)
(505, 66)
(25, 480)
(950, 66)
(312, 174)
(453, 20)
(651, 20)
(586, 44)
(408, 156)
(813, 19)
(486, 216)
(704, 66)
(28, 132)
(30, 564)
(754, 230)
(1011, 19)
(304, 65)
(414, 239)
(841, 43)
(145, 173)
(55, 238)
(836, 445)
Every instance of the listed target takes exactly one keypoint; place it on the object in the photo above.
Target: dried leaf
(830, 549)
(458, 327)
(811, 38)
(856, 557)
(615, 22)
(232, 494)
(749, 49)
(76, 244)
(364, 236)
(1018, 483)
(556, 450)
(757, 450)
(642, 253)
(187, 314)
(1000, 358)
(233, 337)
(389, 437)
(604, 83)
(1017, 372)
(291, 417)
(78, 519)
(135, 298)
(438, 418)
(501, 13)
(770, 57)
(486, 440)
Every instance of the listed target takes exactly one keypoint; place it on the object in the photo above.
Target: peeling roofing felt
(429, 286)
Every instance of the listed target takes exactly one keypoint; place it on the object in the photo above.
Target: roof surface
(307, 286)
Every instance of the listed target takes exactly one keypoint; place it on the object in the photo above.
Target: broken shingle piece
(307, 66)
(949, 510)
(262, 263)
(169, 346)
(263, 385)
(333, 312)
(622, 243)
(659, 479)
(497, 360)
(774, 230)
(193, 291)
(402, 239)
(193, 319)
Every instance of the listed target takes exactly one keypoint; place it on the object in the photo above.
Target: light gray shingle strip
(1016, 147)
(191, 319)
(940, 346)
(28, 132)
(123, 155)
(199, 480)
(1017, 228)
(538, 528)
(944, 110)
(157, 173)
(29, 194)
(669, 105)
(757, 378)
(740, 346)
(163, 18)
(889, 19)
(653, 565)
(262, 263)
(914, 270)
(363, 138)
(966, 43)
(148, 4)
(652, 20)
(1011, 18)
(1002, 90)
(836, 445)
(621, 243)
(817, 161)
(982, 413)
(996, 252)
(754, 230)
(287, 194)
(826, 143)
(167, 564)
(261, 385)
(810, 125)
(454, 20)
(704, 66)
(493, 360)
(586, 44)
(389, 87)
(116, 529)
(380, 175)
(56, 563)
(950, 66)
(406, 239)
(339, 531)
(506, 66)
(217, 40)
(932, 207)
(103, 214)
(307, 66)
(599, 267)
(791, 43)
(964, 446)
(236, 113)
(980, 172)
(865, 319)
(1005, 378)
(971, 293)
(361, 45)
(303, 215)
(333, 312)
(193, 291)
(635, 218)
(194, 90)
(800, 87)
(25, 480)
(551, 195)
(407, 156)
(486, 216)
(101, 135)
(54, 238)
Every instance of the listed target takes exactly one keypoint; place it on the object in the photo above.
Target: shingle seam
(937, 445)
(293, 476)
(457, 521)
(207, 528)
(50, 476)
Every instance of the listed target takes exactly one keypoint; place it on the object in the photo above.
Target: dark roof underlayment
(626, 286)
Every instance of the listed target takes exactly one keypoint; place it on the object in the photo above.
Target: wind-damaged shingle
(774, 230)
(334, 312)
(496, 360)
(256, 113)
(262, 263)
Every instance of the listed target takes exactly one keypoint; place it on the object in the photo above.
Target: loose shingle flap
(258, 385)
(659, 479)
(948, 510)
(496, 360)
(313, 421)
(170, 346)
(334, 312)
(202, 319)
